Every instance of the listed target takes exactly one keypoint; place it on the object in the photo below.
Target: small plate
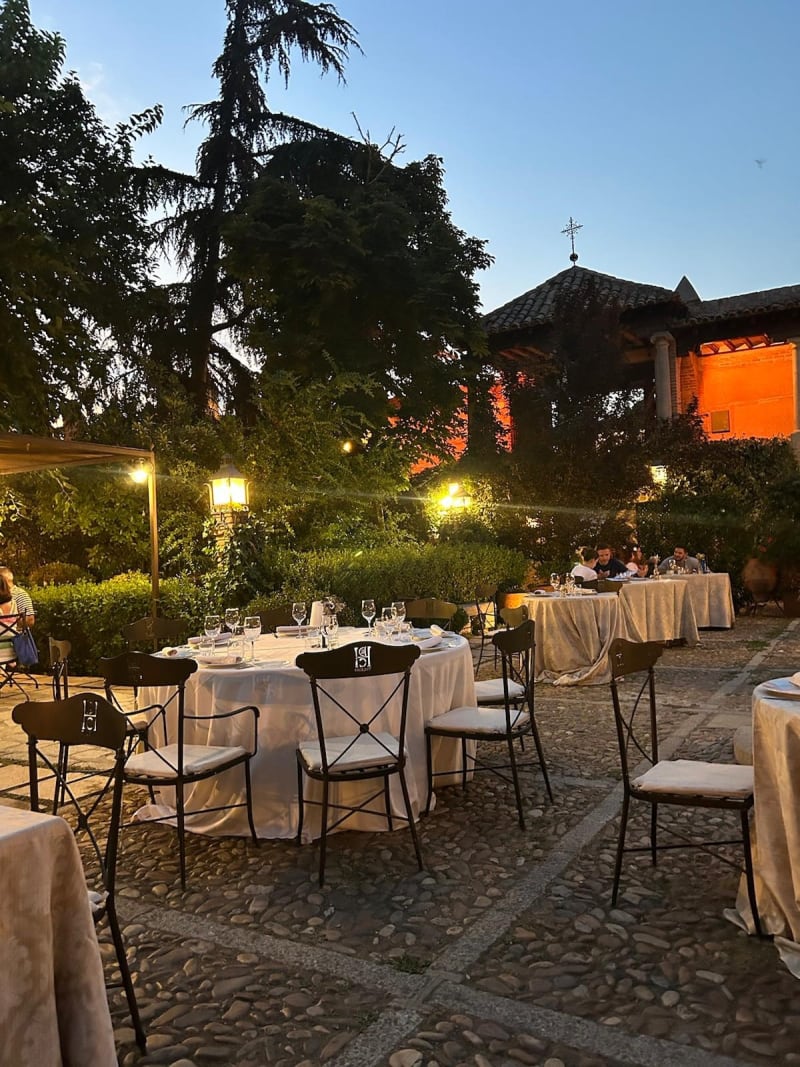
(219, 664)
(781, 687)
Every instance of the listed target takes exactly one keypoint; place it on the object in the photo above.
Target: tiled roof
(731, 307)
(536, 307)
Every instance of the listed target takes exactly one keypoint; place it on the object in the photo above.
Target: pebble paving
(504, 951)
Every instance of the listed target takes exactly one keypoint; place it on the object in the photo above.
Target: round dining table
(573, 636)
(441, 679)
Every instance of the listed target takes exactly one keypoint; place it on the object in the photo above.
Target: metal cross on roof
(571, 229)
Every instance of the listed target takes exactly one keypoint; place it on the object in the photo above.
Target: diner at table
(441, 679)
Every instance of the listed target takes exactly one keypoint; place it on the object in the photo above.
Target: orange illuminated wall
(755, 387)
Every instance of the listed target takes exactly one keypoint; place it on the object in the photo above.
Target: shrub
(57, 574)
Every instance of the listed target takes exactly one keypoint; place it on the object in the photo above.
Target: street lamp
(658, 474)
(146, 472)
(229, 495)
(454, 498)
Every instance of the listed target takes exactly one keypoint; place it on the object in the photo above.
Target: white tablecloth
(657, 610)
(53, 1006)
(440, 680)
(573, 636)
(711, 597)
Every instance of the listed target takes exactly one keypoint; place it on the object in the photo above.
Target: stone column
(663, 343)
(795, 438)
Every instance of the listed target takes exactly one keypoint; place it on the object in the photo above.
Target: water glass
(330, 628)
(399, 612)
(368, 613)
(232, 619)
(212, 627)
(252, 630)
(298, 614)
(555, 581)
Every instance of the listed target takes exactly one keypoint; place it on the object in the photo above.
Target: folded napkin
(222, 639)
(795, 678)
(315, 618)
(292, 631)
(430, 642)
(219, 661)
(436, 631)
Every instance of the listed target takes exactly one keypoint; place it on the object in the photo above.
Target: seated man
(608, 566)
(21, 598)
(585, 569)
(683, 562)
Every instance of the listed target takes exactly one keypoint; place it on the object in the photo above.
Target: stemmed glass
(388, 616)
(232, 619)
(212, 626)
(555, 581)
(330, 628)
(298, 614)
(252, 630)
(368, 613)
(399, 611)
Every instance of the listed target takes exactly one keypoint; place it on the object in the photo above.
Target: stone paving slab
(505, 950)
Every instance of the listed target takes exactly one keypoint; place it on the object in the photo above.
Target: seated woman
(8, 616)
(638, 564)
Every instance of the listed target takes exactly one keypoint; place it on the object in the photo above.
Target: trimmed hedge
(92, 616)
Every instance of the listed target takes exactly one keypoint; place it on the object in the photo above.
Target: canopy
(20, 453)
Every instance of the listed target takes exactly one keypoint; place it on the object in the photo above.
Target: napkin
(795, 678)
(431, 642)
(218, 661)
(292, 631)
(436, 631)
(315, 619)
(222, 639)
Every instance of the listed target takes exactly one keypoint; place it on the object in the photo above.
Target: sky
(668, 131)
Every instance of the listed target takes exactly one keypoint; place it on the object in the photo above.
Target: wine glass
(388, 615)
(232, 619)
(298, 614)
(330, 627)
(212, 625)
(368, 612)
(252, 630)
(399, 612)
(555, 581)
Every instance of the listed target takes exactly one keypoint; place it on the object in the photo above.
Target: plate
(783, 688)
(218, 663)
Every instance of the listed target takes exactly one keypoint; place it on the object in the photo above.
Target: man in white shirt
(585, 569)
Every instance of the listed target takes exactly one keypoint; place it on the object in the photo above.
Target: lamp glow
(229, 489)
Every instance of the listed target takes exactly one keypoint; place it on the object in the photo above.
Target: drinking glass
(212, 625)
(330, 627)
(555, 581)
(252, 630)
(368, 612)
(298, 614)
(399, 612)
(232, 619)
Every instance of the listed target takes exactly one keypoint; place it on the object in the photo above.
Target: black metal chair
(492, 690)
(430, 610)
(182, 762)
(509, 723)
(351, 745)
(606, 585)
(87, 719)
(12, 626)
(274, 617)
(683, 783)
(484, 617)
(153, 632)
(59, 667)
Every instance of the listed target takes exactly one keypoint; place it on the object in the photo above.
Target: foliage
(57, 574)
(92, 616)
(72, 243)
(352, 262)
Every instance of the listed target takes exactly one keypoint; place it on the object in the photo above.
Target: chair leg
(323, 842)
(620, 848)
(179, 808)
(61, 777)
(540, 753)
(463, 763)
(748, 871)
(124, 969)
(653, 833)
(248, 785)
(388, 802)
(515, 775)
(300, 803)
(410, 816)
(429, 755)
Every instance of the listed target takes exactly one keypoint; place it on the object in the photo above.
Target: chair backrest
(83, 719)
(605, 585)
(635, 712)
(10, 626)
(155, 631)
(136, 670)
(514, 616)
(59, 667)
(274, 617)
(516, 651)
(511, 599)
(431, 610)
(364, 661)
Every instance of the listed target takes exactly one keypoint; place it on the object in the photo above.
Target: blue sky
(643, 121)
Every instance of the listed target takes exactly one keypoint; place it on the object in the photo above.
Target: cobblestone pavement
(504, 951)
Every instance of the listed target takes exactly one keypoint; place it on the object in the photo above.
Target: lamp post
(455, 498)
(146, 472)
(229, 496)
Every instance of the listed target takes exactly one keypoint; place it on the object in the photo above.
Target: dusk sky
(669, 131)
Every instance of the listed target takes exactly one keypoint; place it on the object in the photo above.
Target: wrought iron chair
(87, 719)
(59, 667)
(154, 632)
(182, 762)
(274, 617)
(430, 610)
(351, 746)
(482, 724)
(683, 783)
(492, 690)
(11, 626)
(484, 617)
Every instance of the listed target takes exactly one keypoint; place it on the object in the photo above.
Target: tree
(353, 263)
(259, 40)
(72, 243)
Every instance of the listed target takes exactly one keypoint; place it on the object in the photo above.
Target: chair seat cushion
(477, 720)
(490, 691)
(196, 760)
(352, 752)
(695, 778)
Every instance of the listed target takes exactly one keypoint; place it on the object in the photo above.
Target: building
(737, 359)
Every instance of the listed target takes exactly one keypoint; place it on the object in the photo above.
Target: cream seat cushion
(695, 778)
(352, 751)
(478, 720)
(491, 690)
(196, 759)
